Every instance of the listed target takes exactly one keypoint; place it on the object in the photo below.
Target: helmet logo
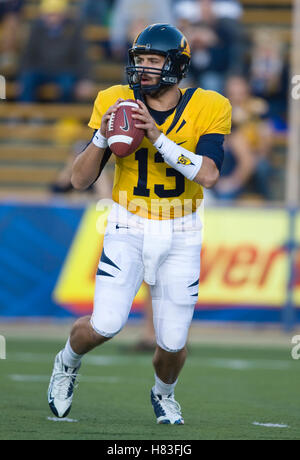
(185, 47)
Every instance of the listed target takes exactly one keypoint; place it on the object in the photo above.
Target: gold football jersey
(144, 184)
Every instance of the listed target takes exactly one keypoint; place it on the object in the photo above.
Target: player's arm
(208, 174)
(195, 167)
(87, 165)
(198, 168)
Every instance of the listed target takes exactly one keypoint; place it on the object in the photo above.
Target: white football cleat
(61, 388)
(167, 410)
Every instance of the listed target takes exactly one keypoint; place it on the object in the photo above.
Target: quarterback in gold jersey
(154, 232)
(198, 113)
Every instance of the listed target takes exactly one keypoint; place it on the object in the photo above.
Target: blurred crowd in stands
(250, 69)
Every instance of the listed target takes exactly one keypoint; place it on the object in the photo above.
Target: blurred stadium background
(49, 247)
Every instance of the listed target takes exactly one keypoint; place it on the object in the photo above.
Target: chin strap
(138, 93)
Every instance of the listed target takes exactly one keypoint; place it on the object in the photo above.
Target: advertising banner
(49, 259)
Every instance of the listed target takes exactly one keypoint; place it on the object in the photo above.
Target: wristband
(184, 161)
(99, 140)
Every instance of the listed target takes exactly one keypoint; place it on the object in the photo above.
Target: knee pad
(172, 338)
(108, 324)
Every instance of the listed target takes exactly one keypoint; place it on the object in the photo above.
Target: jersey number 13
(142, 187)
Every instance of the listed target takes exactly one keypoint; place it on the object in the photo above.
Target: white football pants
(164, 253)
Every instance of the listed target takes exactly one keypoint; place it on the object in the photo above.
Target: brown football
(122, 135)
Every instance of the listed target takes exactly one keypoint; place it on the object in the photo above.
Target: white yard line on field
(245, 364)
(124, 360)
(68, 420)
(46, 378)
(270, 425)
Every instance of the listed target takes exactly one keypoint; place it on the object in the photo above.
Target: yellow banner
(243, 260)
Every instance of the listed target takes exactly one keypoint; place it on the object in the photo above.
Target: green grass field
(223, 391)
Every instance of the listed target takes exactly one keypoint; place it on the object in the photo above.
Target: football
(122, 135)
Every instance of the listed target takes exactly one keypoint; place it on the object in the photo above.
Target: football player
(153, 232)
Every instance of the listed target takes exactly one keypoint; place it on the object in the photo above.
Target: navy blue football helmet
(165, 40)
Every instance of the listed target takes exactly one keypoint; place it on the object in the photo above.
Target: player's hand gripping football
(107, 115)
(146, 122)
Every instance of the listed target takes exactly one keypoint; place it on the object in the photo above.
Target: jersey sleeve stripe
(211, 146)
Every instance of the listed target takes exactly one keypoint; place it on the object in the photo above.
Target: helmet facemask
(173, 70)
